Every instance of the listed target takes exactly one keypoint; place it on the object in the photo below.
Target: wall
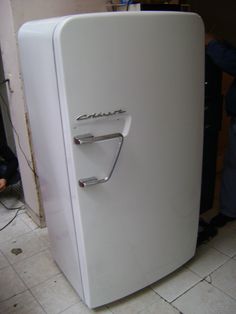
(13, 13)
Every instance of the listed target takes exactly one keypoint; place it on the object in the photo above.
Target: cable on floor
(16, 214)
(10, 208)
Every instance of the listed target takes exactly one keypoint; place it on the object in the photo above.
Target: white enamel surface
(37, 61)
(142, 224)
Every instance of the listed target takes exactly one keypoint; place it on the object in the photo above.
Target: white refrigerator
(115, 104)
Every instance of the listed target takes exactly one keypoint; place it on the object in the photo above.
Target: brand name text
(99, 115)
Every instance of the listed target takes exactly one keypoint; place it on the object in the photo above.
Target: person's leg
(3, 170)
(228, 182)
(3, 181)
(13, 179)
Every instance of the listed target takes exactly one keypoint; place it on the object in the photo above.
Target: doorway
(12, 196)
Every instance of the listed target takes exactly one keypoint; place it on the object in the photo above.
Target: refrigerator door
(139, 76)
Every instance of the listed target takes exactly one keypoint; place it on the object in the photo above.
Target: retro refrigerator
(115, 104)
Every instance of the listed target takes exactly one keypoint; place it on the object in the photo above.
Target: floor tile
(37, 269)
(28, 221)
(80, 308)
(172, 286)
(225, 241)
(9, 199)
(159, 307)
(231, 225)
(29, 244)
(224, 278)
(10, 283)
(6, 214)
(11, 203)
(3, 261)
(50, 293)
(43, 235)
(134, 303)
(15, 229)
(23, 303)
(55, 294)
(205, 299)
(206, 260)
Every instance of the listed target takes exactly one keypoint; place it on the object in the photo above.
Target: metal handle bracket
(90, 139)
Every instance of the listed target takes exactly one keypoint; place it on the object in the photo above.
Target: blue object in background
(125, 1)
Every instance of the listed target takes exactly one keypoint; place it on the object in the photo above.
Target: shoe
(205, 232)
(221, 220)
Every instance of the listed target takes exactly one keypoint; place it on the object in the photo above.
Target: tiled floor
(31, 283)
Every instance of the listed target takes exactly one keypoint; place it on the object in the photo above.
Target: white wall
(13, 13)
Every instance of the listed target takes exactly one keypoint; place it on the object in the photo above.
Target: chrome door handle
(90, 139)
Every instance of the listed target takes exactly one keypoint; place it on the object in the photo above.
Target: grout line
(210, 282)
(24, 259)
(219, 289)
(33, 229)
(41, 305)
(13, 211)
(23, 293)
(13, 296)
(69, 307)
(20, 279)
(170, 303)
(12, 239)
(8, 264)
(21, 234)
(37, 301)
(204, 279)
(193, 286)
(48, 279)
(43, 280)
(201, 279)
(212, 247)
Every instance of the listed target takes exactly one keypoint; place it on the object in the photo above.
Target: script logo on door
(99, 115)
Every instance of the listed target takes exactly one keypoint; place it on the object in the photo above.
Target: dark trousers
(13, 179)
(228, 182)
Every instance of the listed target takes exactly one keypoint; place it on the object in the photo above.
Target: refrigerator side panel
(38, 69)
(140, 75)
